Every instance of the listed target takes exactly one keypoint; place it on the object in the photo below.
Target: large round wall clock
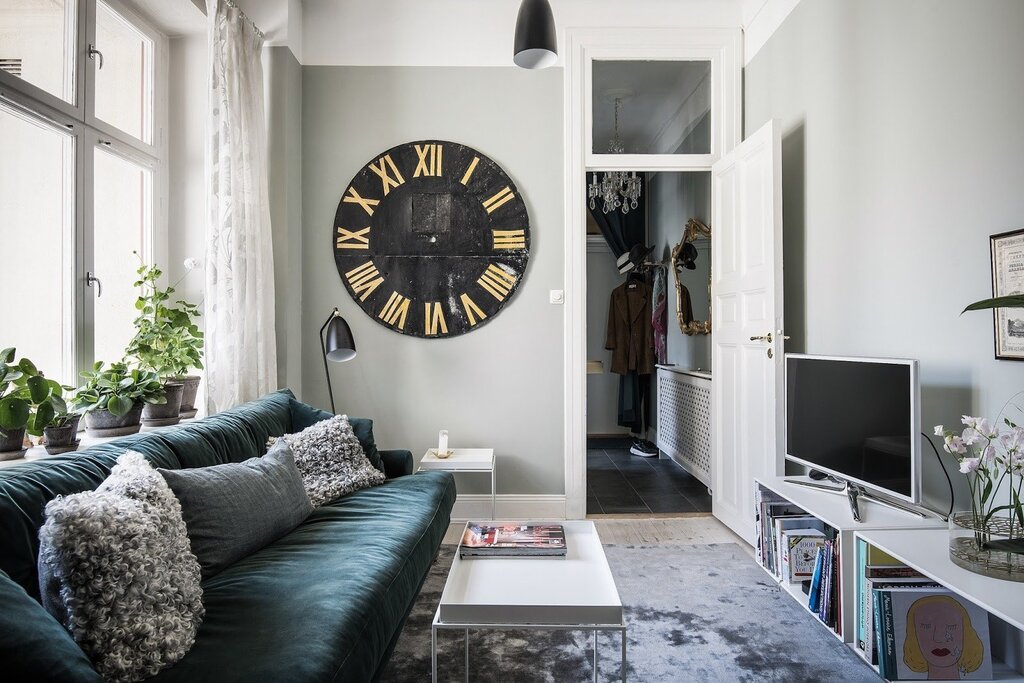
(431, 238)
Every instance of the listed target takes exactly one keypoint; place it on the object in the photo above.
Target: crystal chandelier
(618, 189)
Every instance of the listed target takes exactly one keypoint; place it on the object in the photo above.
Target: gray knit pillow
(116, 569)
(331, 461)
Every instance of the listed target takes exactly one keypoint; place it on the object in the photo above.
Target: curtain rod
(231, 3)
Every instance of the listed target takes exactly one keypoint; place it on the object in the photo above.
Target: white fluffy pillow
(331, 461)
(116, 568)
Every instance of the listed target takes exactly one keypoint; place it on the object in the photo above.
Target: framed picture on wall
(1008, 278)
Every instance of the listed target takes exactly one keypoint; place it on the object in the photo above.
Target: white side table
(463, 460)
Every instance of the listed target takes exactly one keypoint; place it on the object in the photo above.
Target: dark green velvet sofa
(324, 603)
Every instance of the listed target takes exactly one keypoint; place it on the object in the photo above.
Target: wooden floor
(680, 529)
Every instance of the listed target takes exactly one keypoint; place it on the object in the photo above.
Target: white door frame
(724, 49)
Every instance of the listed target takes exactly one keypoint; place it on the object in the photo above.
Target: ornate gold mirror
(683, 256)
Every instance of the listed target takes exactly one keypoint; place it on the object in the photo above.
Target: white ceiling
(171, 17)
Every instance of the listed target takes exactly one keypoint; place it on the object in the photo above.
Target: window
(79, 181)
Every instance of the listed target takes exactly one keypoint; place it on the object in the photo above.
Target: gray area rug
(694, 613)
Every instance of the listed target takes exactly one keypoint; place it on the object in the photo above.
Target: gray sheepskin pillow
(116, 569)
(331, 461)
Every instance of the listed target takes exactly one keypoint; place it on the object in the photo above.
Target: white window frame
(79, 119)
(724, 49)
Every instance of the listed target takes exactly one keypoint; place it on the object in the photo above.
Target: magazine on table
(482, 539)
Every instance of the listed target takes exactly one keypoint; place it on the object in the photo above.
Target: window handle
(97, 55)
(90, 279)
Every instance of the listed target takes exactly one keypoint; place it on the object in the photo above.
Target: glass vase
(969, 545)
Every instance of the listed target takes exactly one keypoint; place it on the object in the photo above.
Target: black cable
(943, 465)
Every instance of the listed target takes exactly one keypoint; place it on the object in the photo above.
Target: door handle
(764, 337)
(90, 279)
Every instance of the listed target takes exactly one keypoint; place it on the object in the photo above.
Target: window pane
(37, 43)
(663, 107)
(36, 231)
(122, 219)
(124, 84)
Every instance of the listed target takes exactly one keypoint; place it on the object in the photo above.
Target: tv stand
(854, 493)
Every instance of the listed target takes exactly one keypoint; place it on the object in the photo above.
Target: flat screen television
(857, 419)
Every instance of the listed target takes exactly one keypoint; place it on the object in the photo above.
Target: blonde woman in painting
(941, 639)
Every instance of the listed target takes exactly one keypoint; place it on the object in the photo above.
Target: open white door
(747, 349)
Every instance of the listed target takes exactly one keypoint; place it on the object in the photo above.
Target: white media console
(919, 542)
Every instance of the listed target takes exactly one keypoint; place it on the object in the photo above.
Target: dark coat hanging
(630, 333)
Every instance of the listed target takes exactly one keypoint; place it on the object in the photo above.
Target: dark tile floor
(621, 483)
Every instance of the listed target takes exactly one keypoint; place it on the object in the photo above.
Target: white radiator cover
(684, 419)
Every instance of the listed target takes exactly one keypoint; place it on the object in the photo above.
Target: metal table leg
(433, 653)
(467, 655)
(595, 655)
(623, 655)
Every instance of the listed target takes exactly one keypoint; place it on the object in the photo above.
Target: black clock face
(431, 238)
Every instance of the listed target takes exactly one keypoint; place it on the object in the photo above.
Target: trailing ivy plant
(27, 399)
(118, 389)
(167, 340)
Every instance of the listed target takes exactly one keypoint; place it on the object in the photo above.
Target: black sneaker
(644, 449)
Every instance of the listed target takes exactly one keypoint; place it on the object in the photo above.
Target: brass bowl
(442, 455)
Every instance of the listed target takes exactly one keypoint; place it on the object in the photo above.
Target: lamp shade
(536, 46)
(339, 346)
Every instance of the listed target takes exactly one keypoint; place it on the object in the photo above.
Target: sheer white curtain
(241, 352)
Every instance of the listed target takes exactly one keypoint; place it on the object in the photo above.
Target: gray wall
(499, 386)
(602, 390)
(673, 199)
(902, 151)
(283, 77)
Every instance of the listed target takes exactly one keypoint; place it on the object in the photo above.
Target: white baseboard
(508, 507)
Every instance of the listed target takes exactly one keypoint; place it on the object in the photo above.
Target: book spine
(862, 559)
(876, 650)
(814, 594)
(890, 635)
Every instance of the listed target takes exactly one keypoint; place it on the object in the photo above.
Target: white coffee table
(463, 460)
(576, 593)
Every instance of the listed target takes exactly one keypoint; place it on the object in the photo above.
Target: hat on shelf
(688, 256)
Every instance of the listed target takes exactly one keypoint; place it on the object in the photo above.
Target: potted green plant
(28, 401)
(168, 342)
(113, 398)
(60, 435)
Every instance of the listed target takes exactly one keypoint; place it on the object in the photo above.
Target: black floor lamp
(338, 346)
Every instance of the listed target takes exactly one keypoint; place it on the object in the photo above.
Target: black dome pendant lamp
(536, 45)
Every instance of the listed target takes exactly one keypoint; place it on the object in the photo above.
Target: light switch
(556, 296)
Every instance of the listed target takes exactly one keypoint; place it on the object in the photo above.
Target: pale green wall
(499, 386)
(901, 154)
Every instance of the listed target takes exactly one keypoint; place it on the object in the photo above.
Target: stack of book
(489, 540)
(912, 628)
(823, 588)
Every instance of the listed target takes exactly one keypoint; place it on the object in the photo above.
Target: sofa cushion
(33, 646)
(116, 570)
(234, 509)
(331, 461)
(324, 602)
(306, 416)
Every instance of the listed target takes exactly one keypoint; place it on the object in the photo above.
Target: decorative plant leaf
(7, 355)
(119, 405)
(38, 388)
(1012, 301)
(14, 412)
(1015, 545)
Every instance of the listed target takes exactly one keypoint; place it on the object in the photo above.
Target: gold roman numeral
(473, 311)
(505, 195)
(395, 310)
(433, 319)
(353, 198)
(387, 172)
(364, 279)
(497, 281)
(429, 163)
(509, 239)
(469, 171)
(347, 239)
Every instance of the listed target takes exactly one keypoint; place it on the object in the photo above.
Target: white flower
(940, 430)
(969, 421)
(984, 425)
(191, 264)
(988, 455)
(971, 436)
(968, 465)
(954, 445)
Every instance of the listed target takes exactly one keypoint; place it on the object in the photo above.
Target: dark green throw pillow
(33, 645)
(306, 416)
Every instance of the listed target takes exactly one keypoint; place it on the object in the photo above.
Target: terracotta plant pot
(99, 423)
(163, 414)
(188, 396)
(11, 442)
